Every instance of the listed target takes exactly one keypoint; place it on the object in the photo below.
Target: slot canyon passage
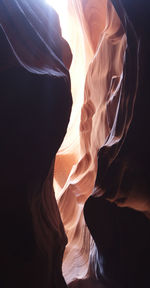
(94, 230)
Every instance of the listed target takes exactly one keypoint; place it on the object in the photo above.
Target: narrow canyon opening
(98, 42)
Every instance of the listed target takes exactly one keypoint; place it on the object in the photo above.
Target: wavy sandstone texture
(104, 82)
(113, 41)
(99, 47)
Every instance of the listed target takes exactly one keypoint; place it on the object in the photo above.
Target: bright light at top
(58, 5)
(61, 6)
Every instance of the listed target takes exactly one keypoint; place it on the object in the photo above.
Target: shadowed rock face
(122, 235)
(34, 114)
(131, 164)
(28, 109)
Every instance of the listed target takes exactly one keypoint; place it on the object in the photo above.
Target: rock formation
(115, 38)
(101, 170)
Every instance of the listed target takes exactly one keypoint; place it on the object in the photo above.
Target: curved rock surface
(35, 106)
(101, 171)
(115, 38)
